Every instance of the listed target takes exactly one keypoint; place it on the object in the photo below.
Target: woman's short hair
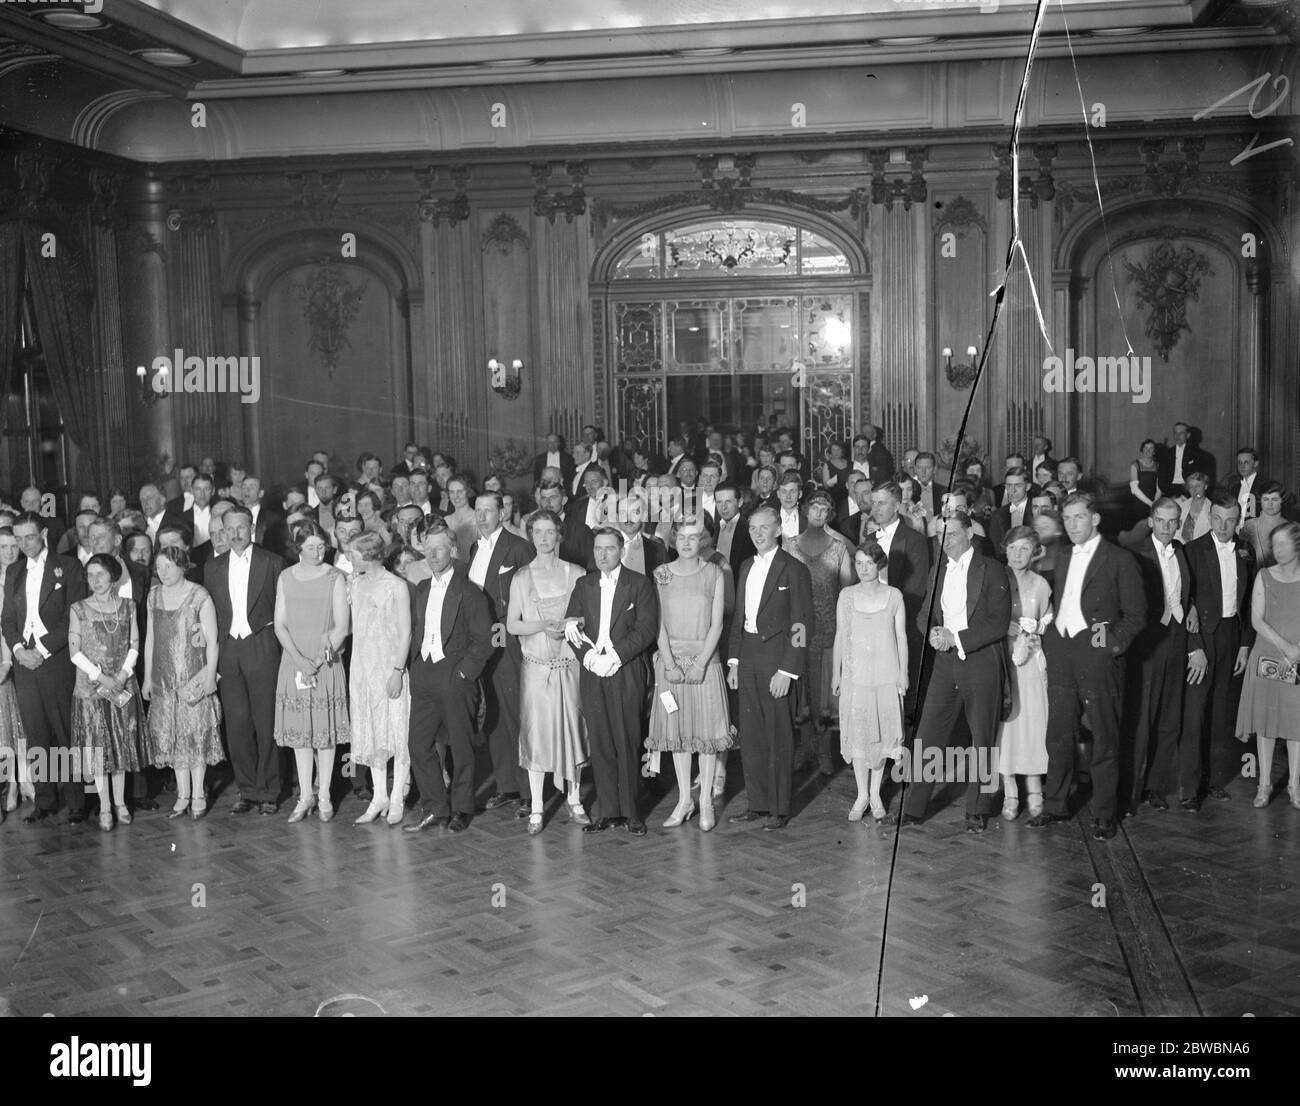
(108, 563)
(1023, 533)
(175, 554)
(871, 549)
(542, 514)
(376, 500)
(1148, 442)
(367, 546)
(1291, 530)
(305, 531)
(821, 497)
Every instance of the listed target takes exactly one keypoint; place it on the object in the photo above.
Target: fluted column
(146, 327)
(203, 416)
(452, 408)
(904, 405)
(573, 376)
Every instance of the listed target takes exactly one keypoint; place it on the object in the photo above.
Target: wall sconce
(960, 376)
(505, 383)
(144, 390)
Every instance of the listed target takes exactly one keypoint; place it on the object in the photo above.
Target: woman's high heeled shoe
(325, 809)
(373, 811)
(1010, 809)
(707, 819)
(182, 805)
(303, 808)
(105, 820)
(198, 809)
(11, 799)
(1294, 792)
(535, 823)
(1035, 804)
(681, 814)
(123, 815)
(858, 809)
(1262, 795)
(577, 815)
(882, 816)
(396, 811)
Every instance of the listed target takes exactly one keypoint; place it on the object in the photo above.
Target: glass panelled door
(737, 362)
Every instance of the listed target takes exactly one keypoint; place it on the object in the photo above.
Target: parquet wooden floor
(368, 920)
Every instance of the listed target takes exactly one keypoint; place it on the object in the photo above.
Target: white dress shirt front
(202, 524)
(608, 582)
(1172, 577)
(485, 548)
(1071, 620)
(952, 601)
(34, 628)
(754, 584)
(789, 523)
(151, 527)
(1178, 464)
(237, 584)
(431, 650)
(1227, 554)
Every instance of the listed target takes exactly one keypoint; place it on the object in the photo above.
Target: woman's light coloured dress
(379, 724)
(871, 709)
(552, 733)
(184, 734)
(1271, 708)
(310, 718)
(700, 724)
(109, 736)
(1022, 738)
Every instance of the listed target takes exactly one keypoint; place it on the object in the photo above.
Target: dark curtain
(11, 294)
(62, 302)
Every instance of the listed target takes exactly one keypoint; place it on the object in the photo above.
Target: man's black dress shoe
(776, 821)
(976, 823)
(266, 808)
(636, 827)
(1157, 801)
(1191, 805)
(600, 825)
(457, 823)
(748, 816)
(76, 817)
(1218, 793)
(1103, 829)
(145, 804)
(502, 798)
(242, 806)
(36, 815)
(427, 822)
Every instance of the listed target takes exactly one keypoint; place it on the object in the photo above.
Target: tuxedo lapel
(257, 570)
(773, 578)
(48, 580)
(450, 608)
(622, 597)
(1094, 565)
(974, 585)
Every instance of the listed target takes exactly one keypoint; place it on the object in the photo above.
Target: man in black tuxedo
(871, 458)
(493, 562)
(1166, 656)
(927, 492)
(1245, 484)
(853, 514)
(767, 653)
(406, 465)
(968, 612)
(909, 571)
(733, 540)
(1017, 511)
(612, 623)
(182, 503)
(554, 456)
(40, 589)
(198, 518)
(154, 508)
(1100, 610)
(269, 528)
(792, 519)
(1001, 494)
(242, 583)
(1178, 461)
(642, 552)
(451, 642)
(1222, 569)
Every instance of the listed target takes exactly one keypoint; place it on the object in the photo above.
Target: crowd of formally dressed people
(1086, 641)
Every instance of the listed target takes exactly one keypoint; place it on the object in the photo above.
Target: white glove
(573, 631)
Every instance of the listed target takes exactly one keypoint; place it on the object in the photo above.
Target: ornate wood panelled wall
(456, 263)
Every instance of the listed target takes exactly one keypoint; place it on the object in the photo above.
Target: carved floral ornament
(504, 232)
(330, 303)
(1170, 277)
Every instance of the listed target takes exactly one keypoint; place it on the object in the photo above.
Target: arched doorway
(743, 322)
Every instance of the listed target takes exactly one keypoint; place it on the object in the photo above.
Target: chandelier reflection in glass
(731, 246)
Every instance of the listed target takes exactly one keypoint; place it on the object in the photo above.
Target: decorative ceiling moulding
(504, 233)
(90, 120)
(18, 55)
